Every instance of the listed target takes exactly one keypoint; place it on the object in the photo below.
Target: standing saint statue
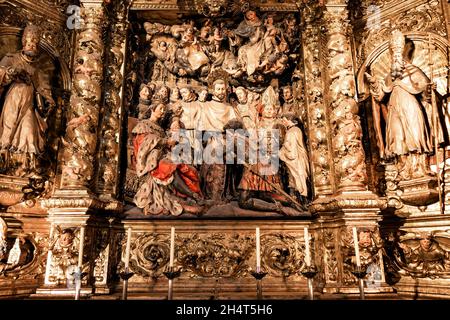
(294, 154)
(404, 100)
(22, 120)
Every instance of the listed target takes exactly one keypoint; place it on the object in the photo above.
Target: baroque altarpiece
(318, 122)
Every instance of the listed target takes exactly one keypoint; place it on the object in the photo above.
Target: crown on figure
(397, 42)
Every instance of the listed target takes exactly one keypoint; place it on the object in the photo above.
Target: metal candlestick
(125, 276)
(310, 272)
(360, 272)
(78, 275)
(171, 274)
(259, 275)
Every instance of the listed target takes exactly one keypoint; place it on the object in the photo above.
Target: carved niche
(21, 255)
(176, 62)
(19, 185)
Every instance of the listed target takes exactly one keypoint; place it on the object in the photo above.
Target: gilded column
(314, 86)
(72, 205)
(80, 140)
(348, 153)
(109, 155)
(352, 205)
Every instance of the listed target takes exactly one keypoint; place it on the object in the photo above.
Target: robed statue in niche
(26, 100)
(403, 100)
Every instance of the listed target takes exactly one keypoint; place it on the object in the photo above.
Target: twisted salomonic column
(80, 140)
(348, 152)
(317, 115)
(109, 155)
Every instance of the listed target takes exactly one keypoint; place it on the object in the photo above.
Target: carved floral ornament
(217, 254)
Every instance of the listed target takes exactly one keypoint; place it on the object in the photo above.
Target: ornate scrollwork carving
(348, 151)
(283, 254)
(212, 8)
(64, 253)
(216, 255)
(426, 17)
(80, 140)
(110, 136)
(331, 261)
(22, 256)
(370, 244)
(423, 254)
(148, 255)
(100, 253)
(318, 131)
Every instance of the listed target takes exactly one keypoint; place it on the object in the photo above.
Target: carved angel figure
(425, 254)
(22, 121)
(64, 254)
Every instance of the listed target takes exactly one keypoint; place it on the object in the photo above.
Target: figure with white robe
(293, 153)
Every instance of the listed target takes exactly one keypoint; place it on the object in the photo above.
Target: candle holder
(259, 274)
(171, 273)
(125, 276)
(78, 275)
(310, 272)
(360, 272)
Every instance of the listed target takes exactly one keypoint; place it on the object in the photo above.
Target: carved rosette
(318, 129)
(348, 152)
(283, 254)
(80, 140)
(110, 135)
(149, 254)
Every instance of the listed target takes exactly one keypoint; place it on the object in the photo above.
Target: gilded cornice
(44, 8)
(190, 7)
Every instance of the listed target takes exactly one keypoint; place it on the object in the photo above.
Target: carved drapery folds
(111, 133)
(318, 129)
(349, 157)
(80, 140)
